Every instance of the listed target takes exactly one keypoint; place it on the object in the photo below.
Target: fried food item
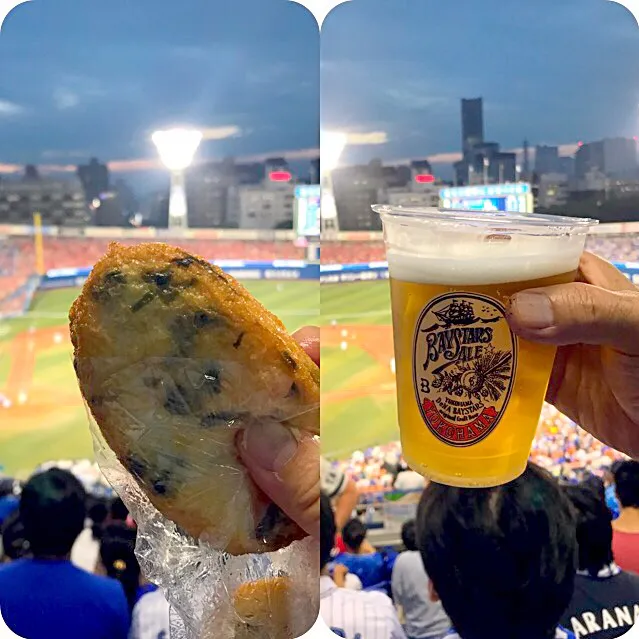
(263, 609)
(173, 358)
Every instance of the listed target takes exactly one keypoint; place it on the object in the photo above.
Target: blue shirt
(611, 501)
(47, 599)
(372, 570)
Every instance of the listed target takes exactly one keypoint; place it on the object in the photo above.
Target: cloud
(368, 138)
(53, 154)
(293, 155)
(65, 99)
(221, 132)
(8, 108)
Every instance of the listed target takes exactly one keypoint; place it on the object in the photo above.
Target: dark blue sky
(83, 77)
(554, 71)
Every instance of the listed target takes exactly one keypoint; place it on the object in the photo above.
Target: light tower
(176, 148)
(332, 144)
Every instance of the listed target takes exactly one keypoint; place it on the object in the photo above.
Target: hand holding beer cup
(469, 389)
(595, 323)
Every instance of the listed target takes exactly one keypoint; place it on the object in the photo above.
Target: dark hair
(327, 530)
(14, 544)
(594, 525)
(506, 553)
(409, 534)
(52, 509)
(117, 553)
(118, 510)
(97, 512)
(627, 484)
(353, 534)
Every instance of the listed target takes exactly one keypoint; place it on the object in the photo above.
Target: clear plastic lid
(525, 223)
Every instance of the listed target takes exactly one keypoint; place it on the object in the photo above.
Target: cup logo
(464, 363)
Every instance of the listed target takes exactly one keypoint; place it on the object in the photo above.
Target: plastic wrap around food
(174, 358)
(178, 440)
(213, 594)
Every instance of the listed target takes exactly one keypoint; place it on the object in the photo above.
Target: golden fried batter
(173, 357)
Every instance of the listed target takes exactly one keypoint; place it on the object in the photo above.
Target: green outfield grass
(357, 422)
(37, 432)
(356, 303)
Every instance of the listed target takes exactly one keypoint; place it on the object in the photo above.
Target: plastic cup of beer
(469, 391)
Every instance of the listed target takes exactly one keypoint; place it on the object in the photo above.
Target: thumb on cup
(577, 313)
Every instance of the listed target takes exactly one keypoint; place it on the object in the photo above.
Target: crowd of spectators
(537, 557)
(67, 562)
(615, 248)
(563, 448)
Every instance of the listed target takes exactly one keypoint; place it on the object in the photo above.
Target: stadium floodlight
(332, 144)
(176, 148)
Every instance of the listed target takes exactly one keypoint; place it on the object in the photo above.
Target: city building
(94, 177)
(263, 207)
(472, 114)
(59, 202)
(553, 190)
(615, 157)
(421, 188)
(355, 189)
(547, 160)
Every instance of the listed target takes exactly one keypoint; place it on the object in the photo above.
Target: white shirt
(409, 480)
(358, 615)
(332, 479)
(150, 617)
(85, 551)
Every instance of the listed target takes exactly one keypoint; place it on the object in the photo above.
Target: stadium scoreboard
(489, 198)
(307, 210)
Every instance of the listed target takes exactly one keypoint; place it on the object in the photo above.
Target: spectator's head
(327, 530)
(594, 526)
(53, 510)
(627, 484)
(118, 560)
(353, 535)
(118, 511)
(501, 557)
(409, 535)
(97, 512)
(14, 544)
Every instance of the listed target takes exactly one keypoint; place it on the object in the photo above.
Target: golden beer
(469, 391)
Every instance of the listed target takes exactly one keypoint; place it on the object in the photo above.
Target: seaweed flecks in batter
(238, 342)
(202, 319)
(175, 403)
(160, 279)
(288, 358)
(184, 262)
(136, 466)
(213, 420)
(272, 519)
(111, 281)
(160, 486)
(212, 381)
(148, 297)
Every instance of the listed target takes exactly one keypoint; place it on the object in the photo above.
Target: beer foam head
(447, 253)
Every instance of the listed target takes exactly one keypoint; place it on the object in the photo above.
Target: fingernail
(532, 310)
(269, 445)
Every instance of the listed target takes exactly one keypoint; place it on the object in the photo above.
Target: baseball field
(47, 419)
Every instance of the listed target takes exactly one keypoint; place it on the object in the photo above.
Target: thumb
(286, 468)
(577, 314)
